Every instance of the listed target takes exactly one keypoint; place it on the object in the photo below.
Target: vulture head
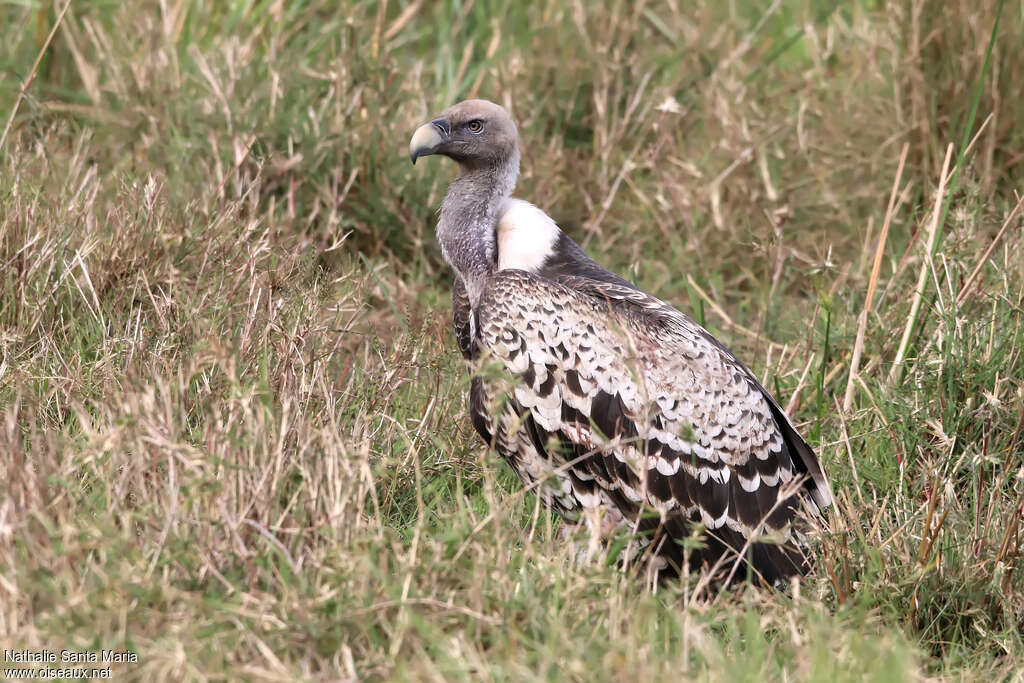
(475, 133)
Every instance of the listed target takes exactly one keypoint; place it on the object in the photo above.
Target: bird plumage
(610, 401)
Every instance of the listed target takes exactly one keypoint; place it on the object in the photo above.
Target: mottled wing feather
(507, 429)
(806, 463)
(479, 411)
(460, 317)
(648, 416)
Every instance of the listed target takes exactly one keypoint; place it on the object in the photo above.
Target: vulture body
(623, 413)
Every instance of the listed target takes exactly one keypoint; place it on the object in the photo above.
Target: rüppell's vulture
(622, 413)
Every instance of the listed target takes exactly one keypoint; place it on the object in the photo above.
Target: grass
(232, 415)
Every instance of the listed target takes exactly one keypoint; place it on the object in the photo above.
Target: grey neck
(469, 216)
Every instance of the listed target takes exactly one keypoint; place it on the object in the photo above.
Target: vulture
(624, 415)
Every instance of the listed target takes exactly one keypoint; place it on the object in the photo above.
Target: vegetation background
(232, 414)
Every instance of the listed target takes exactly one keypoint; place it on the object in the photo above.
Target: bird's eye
(476, 126)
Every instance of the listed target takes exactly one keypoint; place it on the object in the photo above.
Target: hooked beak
(428, 138)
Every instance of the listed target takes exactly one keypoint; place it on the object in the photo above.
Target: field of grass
(232, 425)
